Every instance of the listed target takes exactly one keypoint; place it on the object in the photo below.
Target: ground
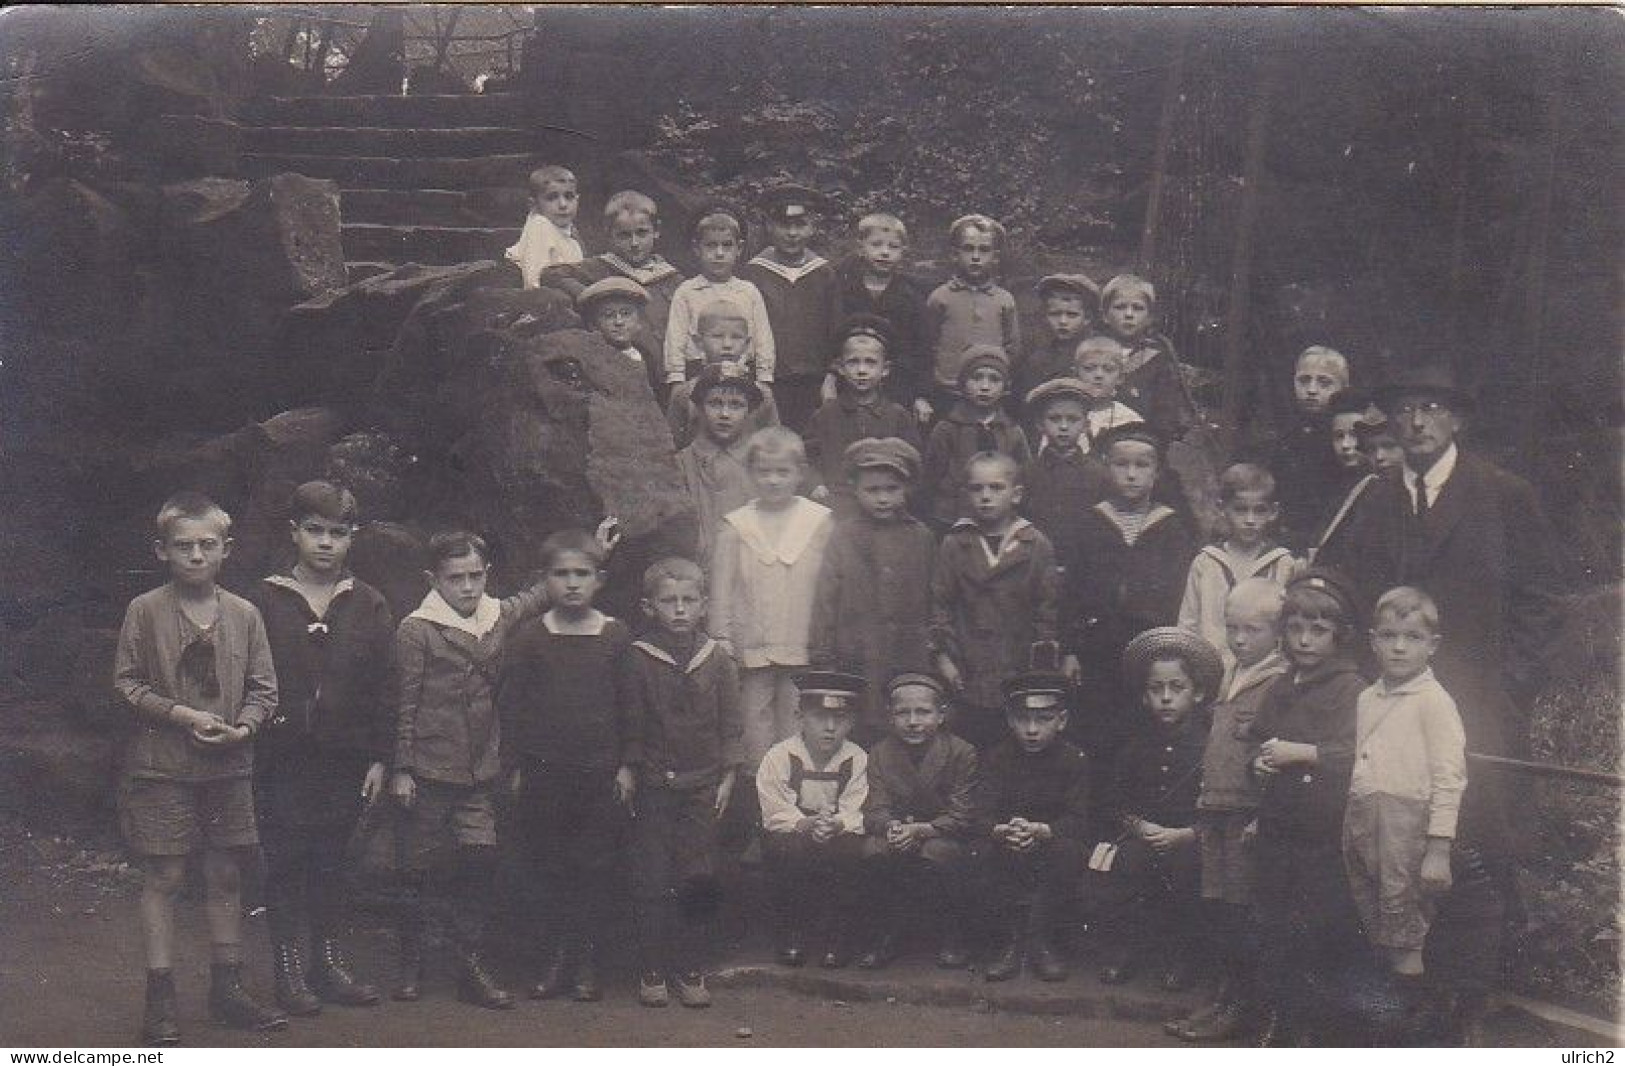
(72, 973)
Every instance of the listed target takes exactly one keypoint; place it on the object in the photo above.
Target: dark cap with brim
(829, 690)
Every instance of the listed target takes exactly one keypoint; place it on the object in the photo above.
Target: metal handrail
(1549, 769)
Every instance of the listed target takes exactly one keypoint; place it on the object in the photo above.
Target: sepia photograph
(779, 526)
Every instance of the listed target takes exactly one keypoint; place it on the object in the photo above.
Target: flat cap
(883, 453)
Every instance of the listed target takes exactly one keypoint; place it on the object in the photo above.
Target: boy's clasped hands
(822, 827)
(207, 728)
(905, 838)
(1018, 834)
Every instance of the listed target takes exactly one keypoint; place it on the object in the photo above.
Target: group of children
(997, 676)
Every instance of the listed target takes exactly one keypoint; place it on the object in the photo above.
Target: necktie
(1421, 501)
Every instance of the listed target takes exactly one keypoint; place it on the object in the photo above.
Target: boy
(1348, 409)
(1069, 301)
(1153, 378)
(719, 238)
(858, 411)
(1248, 510)
(873, 282)
(682, 744)
(722, 331)
(1307, 471)
(1033, 814)
(633, 221)
(993, 596)
(614, 307)
(1379, 444)
(919, 819)
(322, 755)
(803, 299)
(1153, 802)
(563, 730)
(549, 237)
(448, 654)
(874, 595)
(713, 465)
(1124, 578)
(1227, 805)
(970, 310)
(1410, 771)
(811, 789)
(977, 423)
(1099, 366)
(764, 574)
(195, 667)
(1063, 480)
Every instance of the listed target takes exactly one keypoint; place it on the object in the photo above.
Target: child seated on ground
(633, 221)
(719, 239)
(549, 237)
(194, 666)
(970, 310)
(1032, 813)
(919, 818)
(1410, 771)
(858, 411)
(447, 768)
(1063, 480)
(723, 336)
(1309, 478)
(873, 282)
(1070, 302)
(764, 573)
(1154, 879)
(681, 742)
(976, 423)
(562, 732)
(802, 296)
(1226, 809)
(1153, 380)
(993, 597)
(811, 789)
(1248, 512)
(873, 600)
(1305, 732)
(332, 639)
(1126, 577)
(714, 464)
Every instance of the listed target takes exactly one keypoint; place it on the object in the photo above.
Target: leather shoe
(554, 976)
(476, 985)
(1047, 963)
(1005, 964)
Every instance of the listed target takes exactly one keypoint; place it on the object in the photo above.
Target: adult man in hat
(1476, 539)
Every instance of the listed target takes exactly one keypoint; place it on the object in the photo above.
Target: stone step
(388, 141)
(413, 112)
(364, 241)
(499, 206)
(388, 172)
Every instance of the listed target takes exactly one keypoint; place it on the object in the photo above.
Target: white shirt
(1409, 743)
(1432, 481)
(542, 244)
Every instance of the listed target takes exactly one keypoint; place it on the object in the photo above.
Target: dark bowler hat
(731, 375)
(610, 288)
(789, 201)
(883, 453)
(863, 325)
(829, 690)
(1432, 380)
(1035, 691)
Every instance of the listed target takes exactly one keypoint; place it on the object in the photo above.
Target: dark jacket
(1154, 385)
(939, 789)
(1061, 488)
(1159, 772)
(1115, 590)
(873, 604)
(1051, 786)
(1307, 802)
(843, 421)
(986, 616)
(1309, 481)
(1489, 556)
(335, 674)
(901, 304)
(954, 439)
(560, 700)
(803, 314)
(683, 728)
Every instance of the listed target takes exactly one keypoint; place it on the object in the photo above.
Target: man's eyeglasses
(1408, 408)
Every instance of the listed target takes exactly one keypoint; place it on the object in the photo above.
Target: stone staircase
(424, 179)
